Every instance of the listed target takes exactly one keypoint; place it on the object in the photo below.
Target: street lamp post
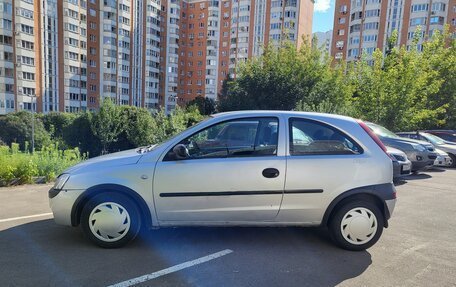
(33, 125)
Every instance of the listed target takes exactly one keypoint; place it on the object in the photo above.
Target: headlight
(418, 147)
(399, 157)
(61, 180)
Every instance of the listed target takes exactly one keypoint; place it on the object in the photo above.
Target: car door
(322, 161)
(233, 173)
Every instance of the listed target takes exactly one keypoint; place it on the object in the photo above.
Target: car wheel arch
(76, 210)
(354, 194)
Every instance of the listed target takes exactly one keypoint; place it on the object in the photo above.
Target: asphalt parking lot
(418, 249)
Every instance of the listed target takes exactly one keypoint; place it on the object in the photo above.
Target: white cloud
(322, 5)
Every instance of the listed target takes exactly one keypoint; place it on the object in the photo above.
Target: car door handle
(271, 172)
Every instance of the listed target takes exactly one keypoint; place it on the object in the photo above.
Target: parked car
(337, 172)
(436, 141)
(447, 135)
(443, 159)
(420, 153)
(402, 166)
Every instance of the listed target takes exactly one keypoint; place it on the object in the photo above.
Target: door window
(237, 138)
(308, 137)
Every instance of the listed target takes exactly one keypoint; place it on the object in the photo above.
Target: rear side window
(237, 138)
(308, 137)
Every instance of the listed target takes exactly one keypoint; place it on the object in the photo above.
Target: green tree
(57, 124)
(80, 134)
(107, 124)
(267, 82)
(138, 129)
(17, 128)
(285, 78)
(440, 52)
(206, 106)
(394, 91)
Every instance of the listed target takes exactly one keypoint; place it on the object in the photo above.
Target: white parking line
(25, 217)
(171, 269)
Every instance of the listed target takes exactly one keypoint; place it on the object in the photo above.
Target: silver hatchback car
(249, 168)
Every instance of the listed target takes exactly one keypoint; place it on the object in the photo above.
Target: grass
(17, 167)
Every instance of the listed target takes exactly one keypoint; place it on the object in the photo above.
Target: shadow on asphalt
(42, 253)
(436, 169)
(418, 176)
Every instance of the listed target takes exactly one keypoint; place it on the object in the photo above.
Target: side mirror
(181, 151)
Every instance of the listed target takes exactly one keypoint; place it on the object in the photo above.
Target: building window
(420, 7)
(353, 52)
(438, 6)
(343, 9)
(354, 40)
(418, 21)
(437, 20)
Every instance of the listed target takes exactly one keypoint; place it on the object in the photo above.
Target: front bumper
(443, 160)
(401, 169)
(62, 203)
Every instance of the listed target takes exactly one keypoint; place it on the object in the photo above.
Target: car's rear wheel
(356, 225)
(110, 220)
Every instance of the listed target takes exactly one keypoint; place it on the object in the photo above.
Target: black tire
(336, 222)
(453, 158)
(123, 206)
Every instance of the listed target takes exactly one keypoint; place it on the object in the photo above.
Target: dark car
(439, 143)
(421, 153)
(448, 135)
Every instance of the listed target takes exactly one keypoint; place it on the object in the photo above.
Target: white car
(443, 159)
(402, 166)
(250, 168)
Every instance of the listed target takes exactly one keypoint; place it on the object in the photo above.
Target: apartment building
(217, 35)
(19, 43)
(324, 41)
(361, 26)
(68, 55)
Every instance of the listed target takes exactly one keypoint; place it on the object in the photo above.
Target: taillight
(374, 137)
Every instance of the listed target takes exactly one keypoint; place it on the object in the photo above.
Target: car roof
(278, 112)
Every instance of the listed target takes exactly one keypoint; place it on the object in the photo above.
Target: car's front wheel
(453, 160)
(110, 220)
(356, 225)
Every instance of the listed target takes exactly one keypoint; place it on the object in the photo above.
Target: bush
(18, 167)
(111, 129)
(79, 134)
(17, 128)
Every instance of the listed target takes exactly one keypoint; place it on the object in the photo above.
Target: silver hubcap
(358, 226)
(109, 221)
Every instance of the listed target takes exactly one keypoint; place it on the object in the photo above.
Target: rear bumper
(390, 204)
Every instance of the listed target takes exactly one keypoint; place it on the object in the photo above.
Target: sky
(323, 15)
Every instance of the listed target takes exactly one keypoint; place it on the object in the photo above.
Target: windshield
(435, 140)
(152, 147)
(381, 131)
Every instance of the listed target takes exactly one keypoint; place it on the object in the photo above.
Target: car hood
(393, 150)
(440, 152)
(126, 157)
(447, 148)
(405, 140)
